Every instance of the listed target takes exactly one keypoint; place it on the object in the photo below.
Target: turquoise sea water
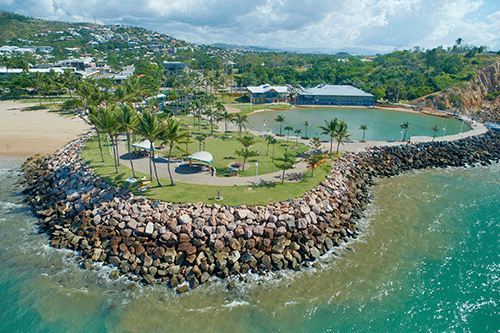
(428, 261)
(384, 125)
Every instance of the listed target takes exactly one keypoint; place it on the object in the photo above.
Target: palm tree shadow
(131, 156)
(186, 169)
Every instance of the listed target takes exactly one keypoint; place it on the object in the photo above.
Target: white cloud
(376, 24)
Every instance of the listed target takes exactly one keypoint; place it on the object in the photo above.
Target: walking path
(197, 174)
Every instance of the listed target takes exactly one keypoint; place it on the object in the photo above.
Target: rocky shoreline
(184, 245)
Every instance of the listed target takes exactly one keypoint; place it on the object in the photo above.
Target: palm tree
(435, 129)
(285, 163)
(37, 82)
(341, 134)
(68, 80)
(272, 142)
(200, 138)
(150, 127)
(94, 119)
(330, 129)
(109, 125)
(280, 119)
(297, 131)
(209, 112)
(268, 140)
(404, 126)
(363, 128)
(225, 116)
(128, 121)
(240, 121)
(288, 129)
(173, 135)
(199, 105)
(306, 124)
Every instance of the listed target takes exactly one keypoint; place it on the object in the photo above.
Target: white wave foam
(234, 304)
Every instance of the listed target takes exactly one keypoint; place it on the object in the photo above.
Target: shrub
(72, 103)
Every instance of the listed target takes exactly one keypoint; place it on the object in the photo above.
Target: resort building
(268, 94)
(326, 94)
(174, 67)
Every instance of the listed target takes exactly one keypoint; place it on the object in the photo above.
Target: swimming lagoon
(383, 125)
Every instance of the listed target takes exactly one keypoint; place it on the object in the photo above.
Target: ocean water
(428, 261)
(383, 125)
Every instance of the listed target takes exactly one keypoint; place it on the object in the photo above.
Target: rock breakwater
(189, 243)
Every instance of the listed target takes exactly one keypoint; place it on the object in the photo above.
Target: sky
(367, 26)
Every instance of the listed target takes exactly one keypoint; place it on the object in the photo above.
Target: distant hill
(18, 26)
(243, 48)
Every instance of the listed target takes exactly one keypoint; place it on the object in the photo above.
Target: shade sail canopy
(144, 144)
(202, 156)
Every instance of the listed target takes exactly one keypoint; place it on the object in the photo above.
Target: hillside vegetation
(400, 76)
(13, 26)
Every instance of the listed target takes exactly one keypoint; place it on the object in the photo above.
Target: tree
(37, 80)
(150, 127)
(128, 120)
(341, 134)
(68, 80)
(306, 125)
(280, 119)
(435, 129)
(312, 160)
(173, 135)
(315, 144)
(109, 125)
(330, 129)
(200, 138)
(272, 142)
(94, 119)
(210, 113)
(284, 163)
(288, 129)
(268, 139)
(405, 127)
(247, 142)
(240, 121)
(225, 116)
(297, 131)
(363, 128)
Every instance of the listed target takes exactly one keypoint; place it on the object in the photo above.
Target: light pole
(257, 173)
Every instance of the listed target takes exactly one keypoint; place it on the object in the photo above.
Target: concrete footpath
(182, 172)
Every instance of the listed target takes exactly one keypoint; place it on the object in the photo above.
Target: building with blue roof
(266, 93)
(326, 94)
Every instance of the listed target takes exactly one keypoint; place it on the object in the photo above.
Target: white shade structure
(201, 156)
(144, 144)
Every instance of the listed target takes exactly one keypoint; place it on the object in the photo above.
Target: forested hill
(18, 26)
(405, 75)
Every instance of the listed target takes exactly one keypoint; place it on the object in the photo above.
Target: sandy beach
(27, 133)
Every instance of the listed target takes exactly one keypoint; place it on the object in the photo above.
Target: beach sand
(27, 133)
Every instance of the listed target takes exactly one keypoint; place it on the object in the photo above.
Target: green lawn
(223, 148)
(183, 192)
(247, 108)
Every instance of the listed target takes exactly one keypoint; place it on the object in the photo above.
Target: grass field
(184, 192)
(223, 148)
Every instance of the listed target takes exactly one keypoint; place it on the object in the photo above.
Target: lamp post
(257, 173)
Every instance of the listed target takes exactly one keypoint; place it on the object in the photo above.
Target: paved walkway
(198, 174)
(182, 172)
